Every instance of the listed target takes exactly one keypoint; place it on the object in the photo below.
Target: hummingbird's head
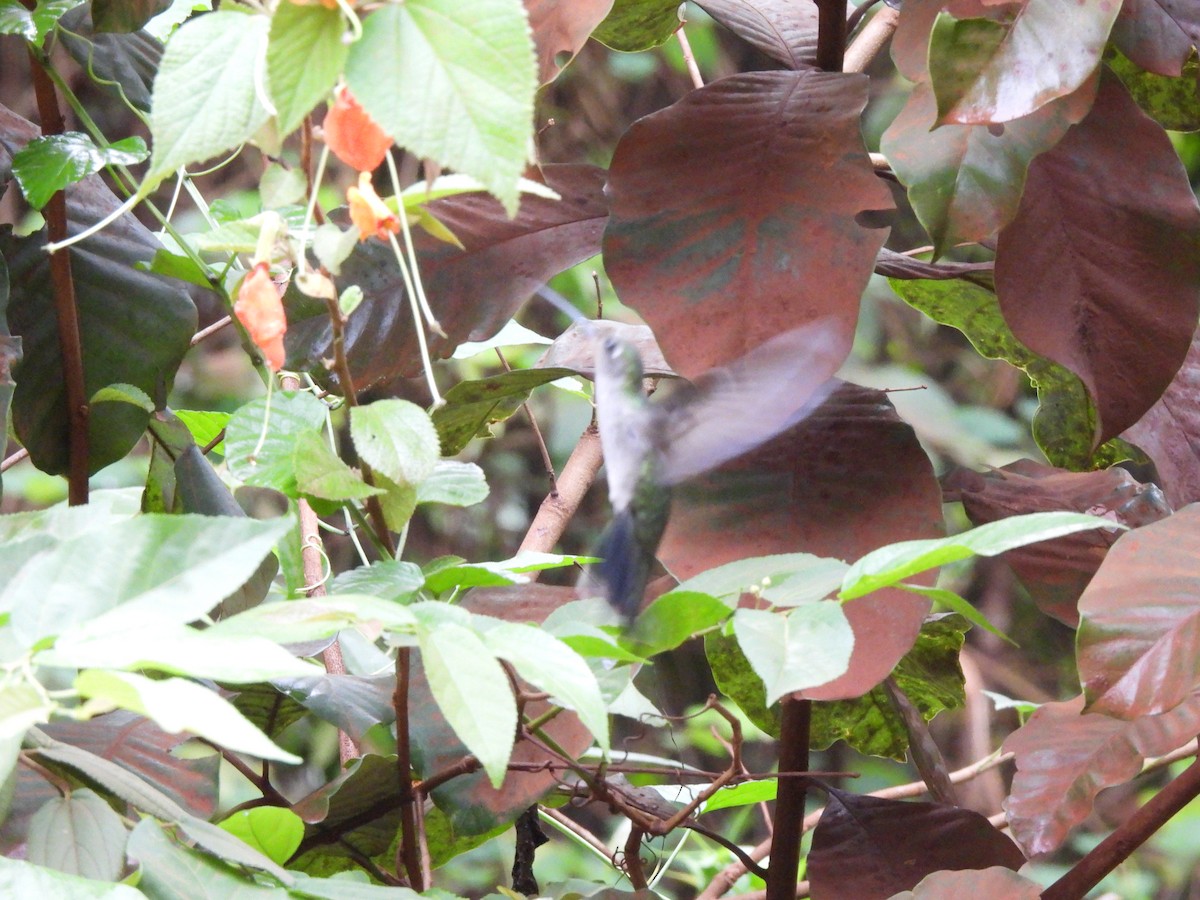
(617, 361)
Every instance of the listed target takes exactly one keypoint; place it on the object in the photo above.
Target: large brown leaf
(472, 291)
(847, 480)
(996, 882)
(560, 29)
(1065, 758)
(867, 847)
(1099, 271)
(783, 30)
(1158, 34)
(734, 213)
(1056, 572)
(1170, 432)
(1139, 638)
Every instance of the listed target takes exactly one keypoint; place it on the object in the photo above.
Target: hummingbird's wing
(730, 410)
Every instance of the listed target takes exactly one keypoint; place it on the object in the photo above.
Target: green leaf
(178, 705)
(472, 692)
(183, 268)
(123, 16)
(154, 567)
(546, 662)
(396, 438)
(48, 164)
(983, 71)
(124, 393)
(1065, 423)
(237, 659)
(305, 55)
(674, 618)
(204, 101)
(889, 565)
(170, 870)
(320, 473)
(21, 706)
(274, 832)
(454, 483)
(960, 605)
(23, 879)
(228, 848)
(392, 579)
(280, 187)
(929, 675)
(297, 621)
(633, 25)
(472, 406)
(398, 501)
(490, 574)
(786, 579)
(78, 834)
(745, 794)
(204, 426)
(33, 25)
(454, 82)
(271, 463)
(355, 885)
(1172, 102)
(804, 648)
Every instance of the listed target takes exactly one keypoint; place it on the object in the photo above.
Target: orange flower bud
(368, 213)
(352, 135)
(260, 310)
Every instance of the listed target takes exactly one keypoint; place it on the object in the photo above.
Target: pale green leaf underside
(454, 82)
(205, 101)
(807, 647)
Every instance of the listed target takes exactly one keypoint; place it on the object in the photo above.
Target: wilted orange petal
(369, 214)
(260, 310)
(352, 135)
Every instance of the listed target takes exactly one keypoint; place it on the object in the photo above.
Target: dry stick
(342, 367)
(559, 506)
(689, 58)
(408, 855)
(11, 461)
(794, 727)
(576, 829)
(1128, 836)
(210, 330)
(633, 859)
(70, 347)
(875, 34)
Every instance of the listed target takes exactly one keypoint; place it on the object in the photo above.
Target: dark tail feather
(624, 568)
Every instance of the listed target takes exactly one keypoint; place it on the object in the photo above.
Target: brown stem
(1128, 836)
(633, 859)
(794, 727)
(559, 506)
(831, 48)
(342, 367)
(408, 855)
(270, 795)
(871, 40)
(70, 345)
(306, 165)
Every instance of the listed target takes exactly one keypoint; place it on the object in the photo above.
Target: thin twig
(567, 824)
(537, 432)
(689, 59)
(408, 855)
(15, 458)
(70, 345)
(633, 859)
(270, 794)
(210, 330)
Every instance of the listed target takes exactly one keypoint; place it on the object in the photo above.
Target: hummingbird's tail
(624, 569)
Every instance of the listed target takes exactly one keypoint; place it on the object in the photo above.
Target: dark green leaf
(1172, 102)
(737, 681)
(122, 64)
(472, 406)
(674, 618)
(32, 25)
(47, 165)
(183, 268)
(125, 16)
(633, 25)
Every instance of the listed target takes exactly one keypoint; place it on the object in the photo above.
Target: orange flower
(260, 311)
(352, 135)
(370, 214)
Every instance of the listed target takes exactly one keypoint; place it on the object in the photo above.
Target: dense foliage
(261, 670)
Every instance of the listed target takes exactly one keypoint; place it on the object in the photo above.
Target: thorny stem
(70, 346)
(408, 855)
(795, 724)
(346, 379)
(1127, 837)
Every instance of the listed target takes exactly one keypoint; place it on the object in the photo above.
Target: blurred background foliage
(965, 409)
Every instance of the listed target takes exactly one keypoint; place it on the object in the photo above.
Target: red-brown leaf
(867, 847)
(783, 30)
(1170, 432)
(1099, 271)
(1158, 34)
(1065, 758)
(995, 883)
(1139, 638)
(847, 480)
(734, 213)
(1056, 572)
(560, 29)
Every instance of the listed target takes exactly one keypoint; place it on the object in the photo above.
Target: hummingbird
(651, 444)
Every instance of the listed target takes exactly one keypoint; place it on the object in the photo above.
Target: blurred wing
(730, 410)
